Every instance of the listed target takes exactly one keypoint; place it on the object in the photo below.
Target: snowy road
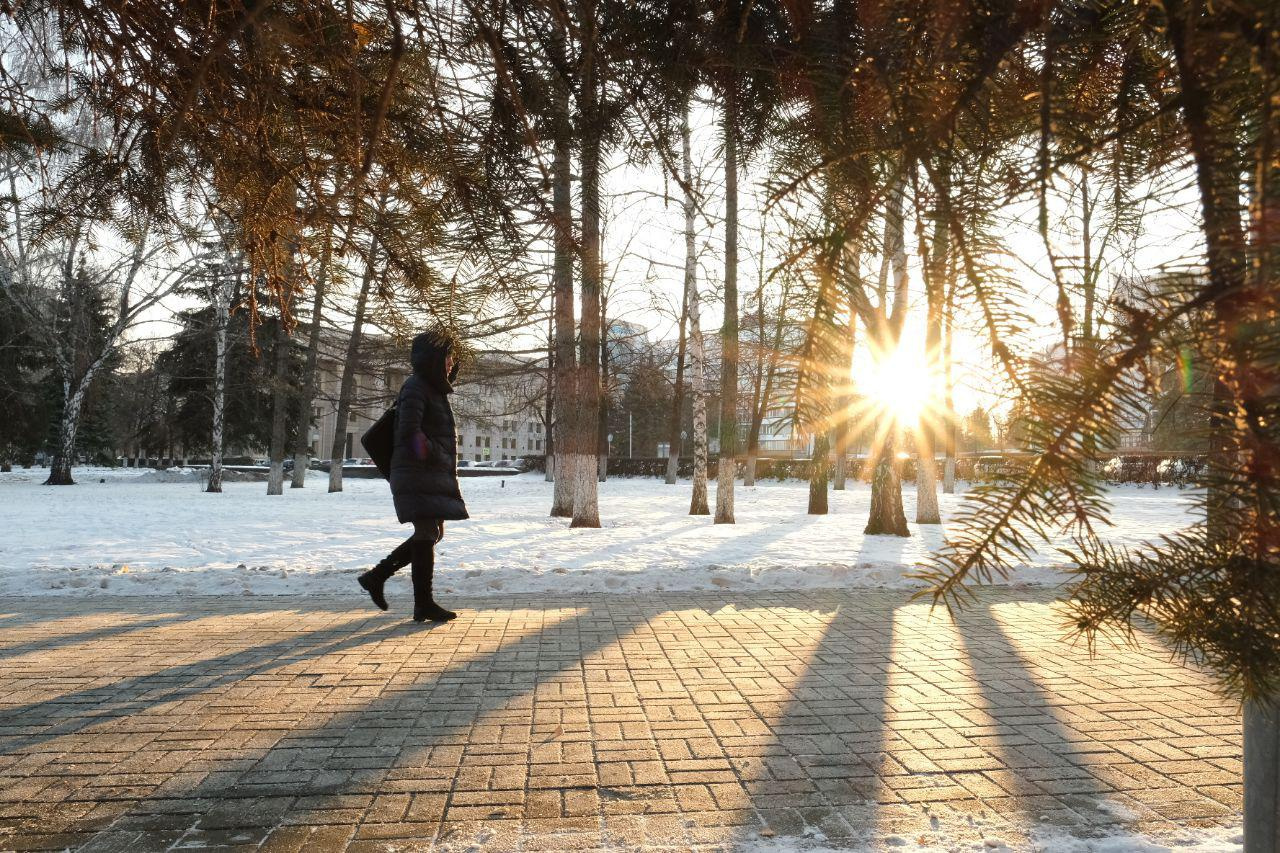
(131, 535)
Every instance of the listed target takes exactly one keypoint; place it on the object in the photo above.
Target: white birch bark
(698, 501)
(221, 312)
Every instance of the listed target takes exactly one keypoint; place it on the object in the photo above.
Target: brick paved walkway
(728, 722)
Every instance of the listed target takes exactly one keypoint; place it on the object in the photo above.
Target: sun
(899, 386)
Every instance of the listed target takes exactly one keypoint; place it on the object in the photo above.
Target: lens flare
(899, 386)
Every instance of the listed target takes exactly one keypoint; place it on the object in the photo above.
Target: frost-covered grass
(140, 533)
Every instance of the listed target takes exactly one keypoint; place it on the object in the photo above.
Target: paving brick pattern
(706, 722)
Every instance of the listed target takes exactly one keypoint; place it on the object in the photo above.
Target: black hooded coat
(424, 461)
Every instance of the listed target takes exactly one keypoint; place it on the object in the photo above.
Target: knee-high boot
(373, 580)
(424, 605)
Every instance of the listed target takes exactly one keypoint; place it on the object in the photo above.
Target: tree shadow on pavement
(340, 743)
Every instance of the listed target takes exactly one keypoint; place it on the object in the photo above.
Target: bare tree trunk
(307, 397)
(346, 390)
(926, 478)
(727, 467)
(73, 395)
(948, 380)
(753, 435)
(886, 515)
(697, 360)
(1218, 181)
(280, 400)
(64, 453)
(843, 431)
(673, 432)
(935, 265)
(73, 390)
(566, 359)
(586, 510)
(757, 389)
(548, 416)
(221, 313)
(819, 470)
(1261, 770)
(602, 431)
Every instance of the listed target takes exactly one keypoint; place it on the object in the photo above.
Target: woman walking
(424, 473)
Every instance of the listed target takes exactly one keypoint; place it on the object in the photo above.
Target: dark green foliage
(189, 365)
(646, 397)
(26, 406)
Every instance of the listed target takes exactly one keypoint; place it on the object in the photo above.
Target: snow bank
(133, 535)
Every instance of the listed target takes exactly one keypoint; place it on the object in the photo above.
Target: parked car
(499, 465)
(987, 467)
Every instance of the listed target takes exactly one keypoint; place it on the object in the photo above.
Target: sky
(643, 250)
(644, 247)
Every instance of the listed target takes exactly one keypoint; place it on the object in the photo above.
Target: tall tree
(347, 387)
(884, 320)
(566, 359)
(726, 468)
(282, 404)
(768, 358)
(677, 404)
(220, 287)
(307, 390)
(585, 435)
(933, 251)
(817, 398)
(697, 361)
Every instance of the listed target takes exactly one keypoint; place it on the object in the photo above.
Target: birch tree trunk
(566, 359)
(73, 395)
(347, 388)
(697, 370)
(677, 404)
(935, 264)
(757, 390)
(221, 313)
(727, 468)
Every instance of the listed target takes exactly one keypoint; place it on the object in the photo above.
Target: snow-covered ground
(1218, 840)
(130, 532)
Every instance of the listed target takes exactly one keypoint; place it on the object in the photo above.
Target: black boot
(373, 579)
(424, 606)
